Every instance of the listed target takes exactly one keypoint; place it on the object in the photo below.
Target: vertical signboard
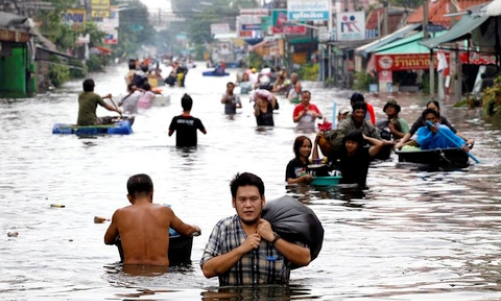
(350, 26)
(100, 8)
(308, 10)
(110, 25)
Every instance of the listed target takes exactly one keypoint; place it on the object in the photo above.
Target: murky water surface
(413, 235)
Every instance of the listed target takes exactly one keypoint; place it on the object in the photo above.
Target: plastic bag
(293, 221)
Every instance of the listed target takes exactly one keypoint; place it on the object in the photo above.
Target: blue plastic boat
(214, 73)
(122, 127)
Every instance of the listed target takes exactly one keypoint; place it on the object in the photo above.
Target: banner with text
(74, 17)
(400, 62)
(308, 10)
(100, 8)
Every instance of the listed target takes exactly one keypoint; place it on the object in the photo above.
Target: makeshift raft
(121, 127)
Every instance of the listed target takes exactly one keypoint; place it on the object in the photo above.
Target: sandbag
(294, 221)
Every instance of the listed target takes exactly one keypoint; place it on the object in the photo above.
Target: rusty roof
(437, 9)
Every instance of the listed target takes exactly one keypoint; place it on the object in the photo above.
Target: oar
(334, 116)
(116, 107)
(452, 140)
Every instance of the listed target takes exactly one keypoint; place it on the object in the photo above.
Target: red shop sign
(398, 62)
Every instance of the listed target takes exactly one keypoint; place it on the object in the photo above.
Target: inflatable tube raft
(122, 127)
(214, 73)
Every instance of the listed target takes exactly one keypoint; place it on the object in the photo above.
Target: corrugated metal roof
(460, 30)
(409, 45)
(402, 32)
(439, 8)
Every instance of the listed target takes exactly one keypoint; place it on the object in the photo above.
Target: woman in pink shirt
(147, 99)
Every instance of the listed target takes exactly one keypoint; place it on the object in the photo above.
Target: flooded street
(413, 235)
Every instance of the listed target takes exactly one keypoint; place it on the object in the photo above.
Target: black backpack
(138, 80)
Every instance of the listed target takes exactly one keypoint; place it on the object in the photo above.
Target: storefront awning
(405, 54)
(366, 49)
(410, 44)
(460, 31)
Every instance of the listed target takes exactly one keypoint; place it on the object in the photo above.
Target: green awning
(366, 49)
(409, 44)
(460, 31)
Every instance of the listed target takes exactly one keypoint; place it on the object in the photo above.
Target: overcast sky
(156, 4)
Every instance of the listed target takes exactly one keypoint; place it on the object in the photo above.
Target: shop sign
(477, 58)
(399, 62)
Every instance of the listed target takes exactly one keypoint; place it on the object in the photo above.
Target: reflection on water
(411, 235)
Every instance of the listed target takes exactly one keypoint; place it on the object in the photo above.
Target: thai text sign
(350, 26)
(476, 58)
(399, 62)
(308, 10)
(100, 8)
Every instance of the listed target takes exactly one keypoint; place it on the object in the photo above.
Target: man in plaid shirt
(243, 249)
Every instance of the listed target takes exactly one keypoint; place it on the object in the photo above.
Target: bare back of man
(144, 232)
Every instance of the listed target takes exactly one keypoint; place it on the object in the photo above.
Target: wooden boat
(179, 248)
(446, 157)
(120, 127)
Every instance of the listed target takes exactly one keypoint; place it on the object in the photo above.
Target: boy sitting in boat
(87, 105)
(428, 137)
(144, 226)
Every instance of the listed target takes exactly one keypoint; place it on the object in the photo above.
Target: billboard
(100, 8)
(219, 28)
(110, 25)
(308, 10)
(281, 25)
(350, 26)
(74, 17)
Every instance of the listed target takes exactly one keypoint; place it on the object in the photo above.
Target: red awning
(103, 49)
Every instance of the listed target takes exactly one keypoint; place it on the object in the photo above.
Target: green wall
(13, 69)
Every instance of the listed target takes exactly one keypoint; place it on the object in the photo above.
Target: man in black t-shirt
(186, 125)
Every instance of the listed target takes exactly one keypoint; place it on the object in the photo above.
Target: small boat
(179, 248)
(325, 181)
(214, 73)
(445, 157)
(120, 127)
(161, 100)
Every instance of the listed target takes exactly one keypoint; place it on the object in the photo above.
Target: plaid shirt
(264, 265)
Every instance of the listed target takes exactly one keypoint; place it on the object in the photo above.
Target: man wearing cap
(394, 127)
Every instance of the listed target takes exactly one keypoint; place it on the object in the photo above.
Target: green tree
(135, 28)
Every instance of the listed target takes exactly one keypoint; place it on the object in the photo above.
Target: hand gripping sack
(294, 221)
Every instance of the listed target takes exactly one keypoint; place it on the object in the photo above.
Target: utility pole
(425, 36)
(385, 18)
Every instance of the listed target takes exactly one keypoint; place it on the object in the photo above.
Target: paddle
(116, 107)
(446, 135)
(334, 116)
